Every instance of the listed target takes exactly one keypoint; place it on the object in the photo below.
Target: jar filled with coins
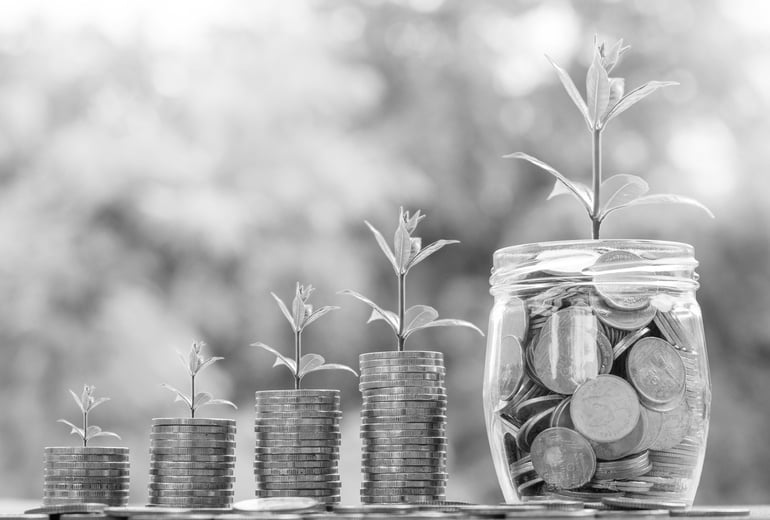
(596, 383)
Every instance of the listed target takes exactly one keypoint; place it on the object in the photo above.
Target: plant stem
(192, 397)
(401, 310)
(297, 356)
(85, 429)
(596, 139)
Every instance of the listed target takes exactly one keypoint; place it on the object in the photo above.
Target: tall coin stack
(298, 444)
(403, 427)
(83, 474)
(192, 463)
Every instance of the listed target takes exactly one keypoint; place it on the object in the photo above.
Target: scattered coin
(563, 458)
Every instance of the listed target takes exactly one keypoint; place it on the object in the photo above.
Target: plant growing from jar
(407, 252)
(86, 403)
(300, 317)
(605, 100)
(194, 363)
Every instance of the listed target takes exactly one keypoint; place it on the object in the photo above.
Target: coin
(192, 429)
(532, 428)
(536, 405)
(64, 509)
(86, 472)
(408, 441)
(182, 421)
(710, 512)
(631, 467)
(566, 352)
(178, 436)
(86, 465)
(618, 280)
(401, 355)
(561, 415)
(628, 341)
(161, 459)
(638, 503)
(605, 409)
(85, 451)
(657, 372)
(190, 472)
(614, 450)
(190, 451)
(673, 427)
(563, 458)
(276, 505)
(85, 458)
(321, 493)
(404, 369)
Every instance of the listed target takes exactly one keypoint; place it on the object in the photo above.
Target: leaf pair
(605, 97)
(87, 402)
(416, 317)
(200, 399)
(307, 364)
(90, 432)
(407, 250)
(195, 363)
(617, 192)
(301, 314)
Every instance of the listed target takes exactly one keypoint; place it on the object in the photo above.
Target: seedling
(87, 402)
(605, 101)
(407, 252)
(194, 363)
(300, 316)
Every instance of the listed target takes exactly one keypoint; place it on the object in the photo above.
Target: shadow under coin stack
(192, 463)
(403, 427)
(298, 444)
(83, 474)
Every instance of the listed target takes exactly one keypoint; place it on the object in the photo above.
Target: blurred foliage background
(164, 165)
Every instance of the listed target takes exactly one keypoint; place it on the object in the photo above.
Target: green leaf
(75, 429)
(448, 322)
(201, 398)
(384, 246)
(78, 402)
(663, 198)
(389, 316)
(180, 396)
(597, 90)
(285, 311)
(402, 247)
(572, 91)
(318, 313)
(418, 315)
(560, 189)
(280, 359)
(185, 364)
(86, 396)
(617, 88)
(429, 250)
(298, 307)
(579, 193)
(612, 57)
(210, 361)
(221, 401)
(309, 362)
(194, 359)
(333, 366)
(621, 189)
(634, 97)
(97, 402)
(383, 314)
(103, 434)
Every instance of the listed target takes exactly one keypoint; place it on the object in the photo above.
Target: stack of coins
(298, 444)
(82, 474)
(192, 463)
(403, 427)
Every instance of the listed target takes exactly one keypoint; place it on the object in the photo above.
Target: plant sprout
(407, 252)
(605, 100)
(87, 402)
(300, 316)
(194, 363)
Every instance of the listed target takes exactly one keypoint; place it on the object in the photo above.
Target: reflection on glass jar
(596, 381)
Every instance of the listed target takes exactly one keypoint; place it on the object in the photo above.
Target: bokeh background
(164, 165)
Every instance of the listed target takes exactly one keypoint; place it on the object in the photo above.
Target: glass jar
(596, 383)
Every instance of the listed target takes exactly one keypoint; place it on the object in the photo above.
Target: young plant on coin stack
(596, 383)
(192, 459)
(298, 434)
(86, 473)
(404, 410)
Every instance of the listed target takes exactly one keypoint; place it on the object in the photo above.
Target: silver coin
(156, 450)
(624, 320)
(403, 355)
(176, 428)
(628, 341)
(229, 423)
(297, 493)
(399, 369)
(85, 451)
(159, 458)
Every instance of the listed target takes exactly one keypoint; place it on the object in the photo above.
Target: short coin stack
(83, 474)
(298, 444)
(403, 427)
(192, 463)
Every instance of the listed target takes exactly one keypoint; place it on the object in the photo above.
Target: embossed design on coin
(566, 352)
(605, 409)
(657, 372)
(563, 458)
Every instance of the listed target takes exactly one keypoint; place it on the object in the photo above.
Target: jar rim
(663, 246)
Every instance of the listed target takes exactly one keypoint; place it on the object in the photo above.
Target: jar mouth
(643, 262)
